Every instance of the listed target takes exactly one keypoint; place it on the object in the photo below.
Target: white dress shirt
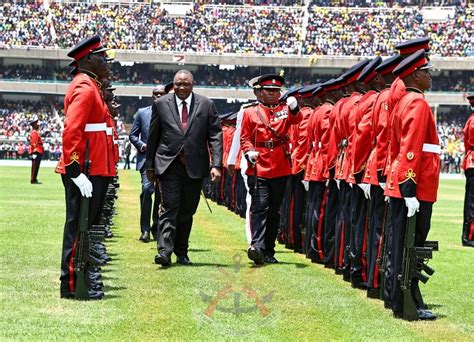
(179, 103)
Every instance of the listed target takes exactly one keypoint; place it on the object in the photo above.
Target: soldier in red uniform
(35, 150)
(343, 126)
(315, 174)
(86, 119)
(286, 229)
(359, 151)
(397, 90)
(468, 167)
(376, 140)
(308, 102)
(334, 92)
(264, 144)
(412, 181)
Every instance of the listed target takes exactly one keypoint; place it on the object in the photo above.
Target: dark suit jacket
(139, 133)
(167, 139)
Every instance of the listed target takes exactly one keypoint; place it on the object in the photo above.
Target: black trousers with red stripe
(284, 233)
(297, 203)
(35, 165)
(267, 195)
(378, 218)
(343, 223)
(331, 210)
(358, 232)
(315, 220)
(468, 224)
(73, 202)
(399, 224)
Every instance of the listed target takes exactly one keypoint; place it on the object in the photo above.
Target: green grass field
(297, 300)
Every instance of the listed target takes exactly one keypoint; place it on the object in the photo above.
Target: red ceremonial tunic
(319, 135)
(255, 136)
(83, 106)
(468, 161)
(361, 136)
(36, 143)
(334, 137)
(414, 150)
(300, 138)
(346, 123)
(378, 141)
(228, 130)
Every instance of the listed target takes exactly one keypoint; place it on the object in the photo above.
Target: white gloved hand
(387, 199)
(366, 189)
(305, 184)
(327, 182)
(350, 184)
(84, 185)
(291, 102)
(412, 204)
(252, 156)
(382, 185)
(33, 156)
(338, 183)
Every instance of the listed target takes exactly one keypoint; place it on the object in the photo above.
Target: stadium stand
(237, 29)
(212, 76)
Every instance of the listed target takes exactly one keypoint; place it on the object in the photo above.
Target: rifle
(413, 264)
(82, 247)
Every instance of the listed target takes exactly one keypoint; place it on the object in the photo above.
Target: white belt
(109, 130)
(320, 144)
(431, 148)
(95, 127)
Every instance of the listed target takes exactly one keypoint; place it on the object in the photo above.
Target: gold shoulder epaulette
(250, 104)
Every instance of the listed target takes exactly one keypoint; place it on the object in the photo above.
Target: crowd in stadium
(216, 29)
(212, 76)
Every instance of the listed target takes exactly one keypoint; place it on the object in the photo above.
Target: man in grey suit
(139, 137)
(184, 128)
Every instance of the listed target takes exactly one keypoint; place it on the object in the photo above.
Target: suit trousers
(468, 224)
(71, 227)
(179, 201)
(35, 165)
(267, 195)
(399, 225)
(146, 202)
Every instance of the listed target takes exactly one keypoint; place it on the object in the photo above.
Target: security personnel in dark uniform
(413, 178)
(86, 118)
(468, 167)
(264, 144)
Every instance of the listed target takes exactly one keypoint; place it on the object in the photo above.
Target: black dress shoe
(91, 295)
(255, 255)
(468, 243)
(36, 182)
(163, 260)
(373, 293)
(183, 260)
(426, 315)
(270, 259)
(145, 237)
(359, 285)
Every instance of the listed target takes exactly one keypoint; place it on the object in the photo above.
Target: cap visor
(100, 49)
(426, 66)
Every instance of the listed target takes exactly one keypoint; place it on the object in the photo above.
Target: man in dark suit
(184, 128)
(139, 137)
